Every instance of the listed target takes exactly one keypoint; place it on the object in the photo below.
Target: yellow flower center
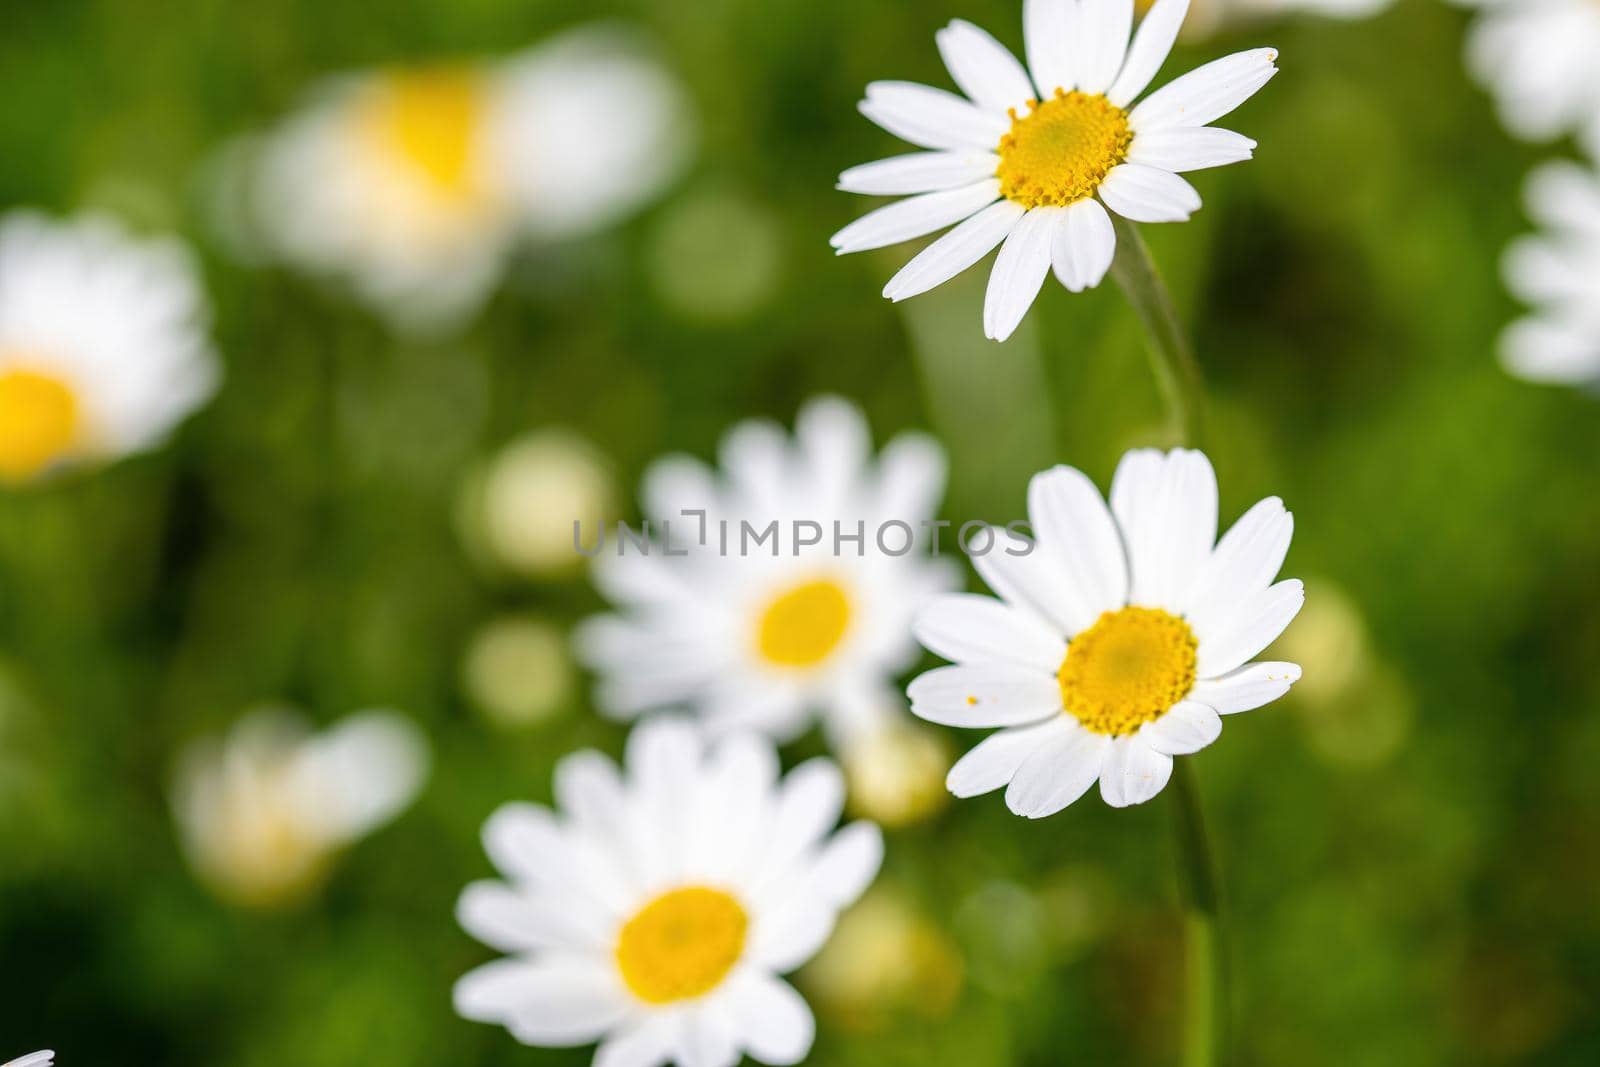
(1127, 669)
(802, 627)
(1060, 151)
(431, 121)
(682, 944)
(41, 422)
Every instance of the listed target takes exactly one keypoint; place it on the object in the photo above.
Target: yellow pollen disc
(1127, 669)
(41, 422)
(1060, 152)
(801, 627)
(682, 944)
(430, 121)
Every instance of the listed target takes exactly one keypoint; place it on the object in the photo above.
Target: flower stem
(1178, 376)
(1172, 360)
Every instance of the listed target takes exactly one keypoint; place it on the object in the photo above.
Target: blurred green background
(1410, 843)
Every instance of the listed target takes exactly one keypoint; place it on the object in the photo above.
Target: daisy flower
(1537, 59)
(655, 913)
(1558, 272)
(34, 1059)
(263, 813)
(103, 346)
(1031, 159)
(1117, 643)
(414, 183)
(766, 634)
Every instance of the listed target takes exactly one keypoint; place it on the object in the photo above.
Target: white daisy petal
(1166, 506)
(920, 172)
(1247, 688)
(772, 1021)
(1243, 564)
(1563, 195)
(558, 1001)
(515, 921)
(848, 864)
(983, 67)
(1145, 194)
(995, 760)
(1050, 27)
(1072, 523)
(1019, 272)
(793, 938)
(1151, 46)
(809, 803)
(955, 251)
(1186, 727)
(965, 628)
(1060, 771)
(706, 1036)
(1133, 772)
(647, 1041)
(1254, 626)
(916, 216)
(932, 118)
(1027, 577)
(1204, 95)
(1185, 148)
(1551, 351)
(522, 840)
(984, 696)
(1104, 26)
(1084, 246)
(589, 789)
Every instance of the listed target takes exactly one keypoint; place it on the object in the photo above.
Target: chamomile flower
(1537, 59)
(1558, 272)
(656, 912)
(798, 601)
(263, 813)
(1032, 158)
(414, 183)
(1120, 638)
(34, 1059)
(103, 345)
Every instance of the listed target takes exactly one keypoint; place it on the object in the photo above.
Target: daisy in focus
(1031, 159)
(1117, 643)
(414, 184)
(264, 812)
(1537, 59)
(1558, 273)
(768, 634)
(656, 912)
(34, 1059)
(103, 345)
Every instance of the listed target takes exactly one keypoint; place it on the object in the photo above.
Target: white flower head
(656, 911)
(1558, 273)
(103, 342)
(263, 812)
(1537, 59)
(34, 1059)
(413, 184)
(1118, 640)
(1032, 158)
(764, 632)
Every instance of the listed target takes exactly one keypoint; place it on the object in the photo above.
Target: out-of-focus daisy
(34, 1059)
(1031, 159)
(1119, 641)
(1537, 58)
(765, 634)
(263, 812)
(414, 183)
(103, 345)
(657, 910)
(1558, 272)
(518, 671)
(896, 772)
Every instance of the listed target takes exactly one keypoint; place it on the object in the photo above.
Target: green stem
(1171, 358)
(1178, 376)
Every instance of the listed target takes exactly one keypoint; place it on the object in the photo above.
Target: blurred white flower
(519, 511)
(1031, 159)
(1558, 272)
(517, 671)
(263, 812)
(885, 961)
(34, 1059)
(766, 632)
(1537, 57)
(896, 772)
(655, 913)
(103, 342)
(1119, 640)
(414, 183)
